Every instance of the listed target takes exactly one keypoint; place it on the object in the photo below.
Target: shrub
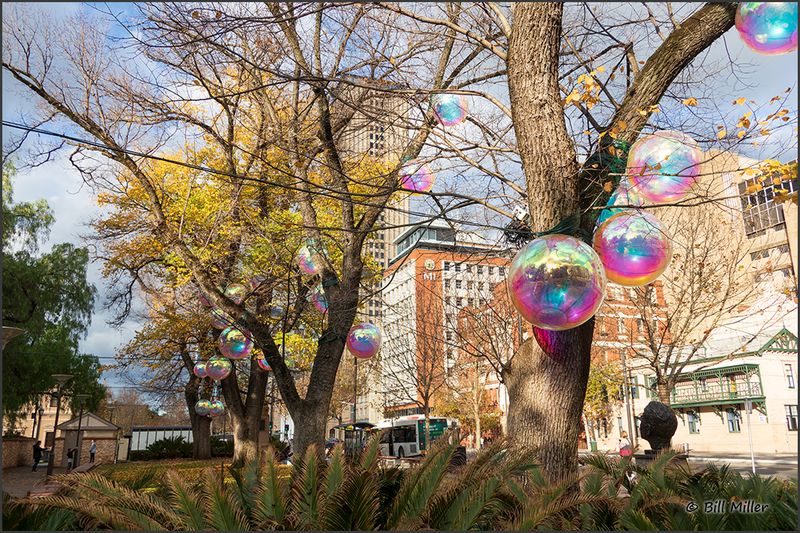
(170, 448)
(221, 448)
(488, 493)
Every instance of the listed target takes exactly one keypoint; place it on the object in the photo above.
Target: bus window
(385, 435)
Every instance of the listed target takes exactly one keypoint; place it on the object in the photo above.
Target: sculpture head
(658, 425)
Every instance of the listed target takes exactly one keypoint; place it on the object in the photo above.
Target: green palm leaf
(270, 504)
(222, 513)
(186, 502)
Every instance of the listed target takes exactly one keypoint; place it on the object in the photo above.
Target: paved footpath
(20, 480)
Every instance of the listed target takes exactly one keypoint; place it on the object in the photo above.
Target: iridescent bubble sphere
(220, 319)
(236, 292)
(319, 300)
(416, 176)
(664, 166)
(308, 260)
(256, 282)
(364, 340)
(634, 248)
(199, 369)
(262, 363)
(235, 343)
(769, 28)
(202, 407)
(217, 408)
(557, 282)
(624, 194)
(218, 368)
(450, 109)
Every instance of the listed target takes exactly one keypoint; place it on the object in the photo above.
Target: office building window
(447, 266)
(447, 284)
(469, 285)
(734, 421)
(480, 285)
(759, 209)
(458, 267)
(787, 371)
(491, 270)
(458, 284)
(637, 422)
(791, 417)
(694, 422)
(480, 270)
(501, 271)
(635, 387)
(703, 385)
(619, 425)
(460, 302)
(448, 335)
(53, 401)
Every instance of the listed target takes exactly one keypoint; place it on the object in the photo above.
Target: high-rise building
(436, 273)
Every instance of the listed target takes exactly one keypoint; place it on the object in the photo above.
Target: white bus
(405, 436)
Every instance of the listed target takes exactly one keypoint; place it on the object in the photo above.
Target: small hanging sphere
(364, 340)
(556, 282)
(202, 407)
(416, 176)
(218, 368)
(450, 109)
(663, 167)
(236, 292)
(235, 343)
(634, 248)
(769, 28)
(319, 300)
(263, 364)
(199, 369)
(624, 194)
(217, 408)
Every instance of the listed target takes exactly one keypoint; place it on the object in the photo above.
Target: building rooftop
(438, 235)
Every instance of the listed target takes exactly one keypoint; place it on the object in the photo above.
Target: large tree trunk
(201, 425)
(245, 437)
(664, 392)
(546, 386)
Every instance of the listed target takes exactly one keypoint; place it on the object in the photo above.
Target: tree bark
(664, 392)
(201, 425)
(546, 385)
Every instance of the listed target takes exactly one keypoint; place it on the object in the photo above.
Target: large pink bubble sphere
(364, 340)
(217, 408)
(663, 167)
(218, 368)
(450, 109)
(769, 28)
(235, 343)
(416, 176)
(308, 260)
(202, 407)
(199, 369)
(319, 300)
(557, 282)
(634, 248)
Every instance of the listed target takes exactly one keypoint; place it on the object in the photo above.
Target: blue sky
(74, 204)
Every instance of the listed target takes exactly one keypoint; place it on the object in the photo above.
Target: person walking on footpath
(92, 451)
(37, 454)
(625, 449)
(70, 458)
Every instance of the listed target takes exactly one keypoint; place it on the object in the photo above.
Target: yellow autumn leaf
(754, 188)
(690, 101)
(607, 186)
(740, 101)
(741, 133)
(721, 134)
(601, 69)
(622, 125)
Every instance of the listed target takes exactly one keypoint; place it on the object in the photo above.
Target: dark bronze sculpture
(658, 425)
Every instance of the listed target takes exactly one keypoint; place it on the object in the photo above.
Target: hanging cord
(604, 161)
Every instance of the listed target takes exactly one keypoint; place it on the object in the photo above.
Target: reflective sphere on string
(218, 368)
(236, 292)
(217, 408)
(450, 109)
(262, 363)
(364, 340)
(199, 369)
(663, 167)
(202, 407)
(235, 343)
(769, 28)
(624, 194)
(416, 176)
(308, 260)
(319, 300)
(556, 282)
(634, 248)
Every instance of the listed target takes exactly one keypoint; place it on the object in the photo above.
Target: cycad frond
(186, 503)
(305, 490)
(222, 513)
(270, 504)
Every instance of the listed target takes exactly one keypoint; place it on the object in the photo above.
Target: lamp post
(9, 333)
(81, 398)
(60, 380)
(39, 426)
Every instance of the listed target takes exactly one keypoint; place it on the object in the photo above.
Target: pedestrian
(625, 449)
(92, 451)
(37, 454)
(70, 458)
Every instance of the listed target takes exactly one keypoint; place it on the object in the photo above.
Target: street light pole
(749, 407)
(355, 388)
(81, 398)
(60, 380)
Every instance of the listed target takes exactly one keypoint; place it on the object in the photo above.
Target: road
(782, 469)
